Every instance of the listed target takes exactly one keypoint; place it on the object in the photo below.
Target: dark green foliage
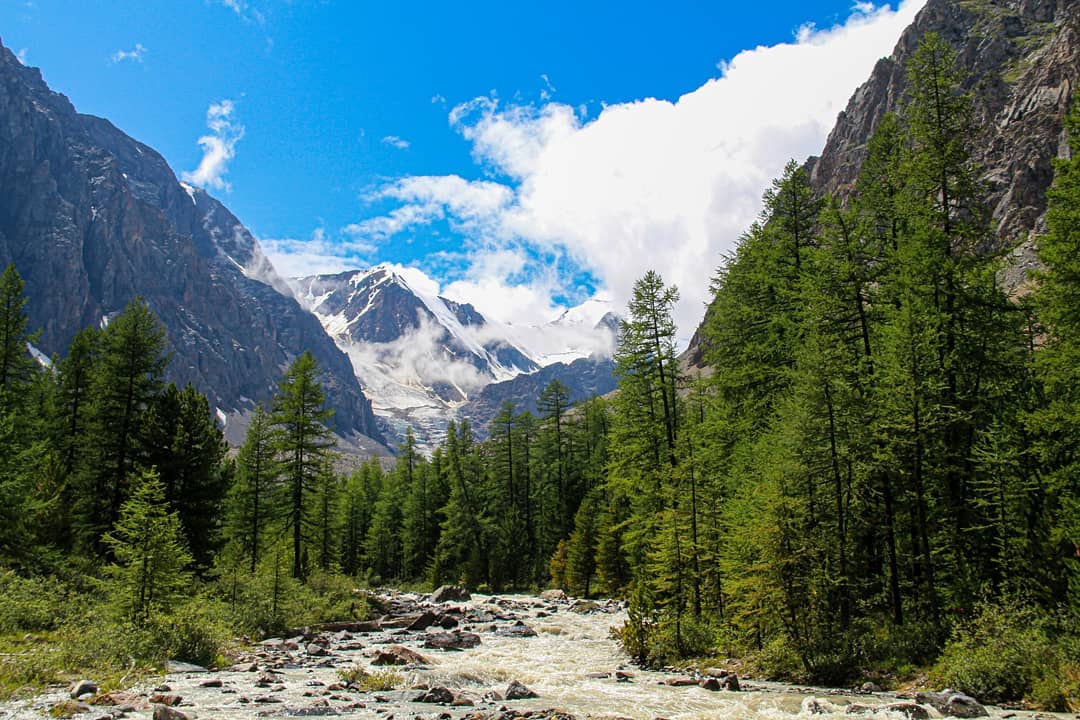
(304, 445)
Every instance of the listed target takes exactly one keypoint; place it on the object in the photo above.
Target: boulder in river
(952, 704)
(518, 629)
(818, 706)
(438, 695)
(451, 641)
(170, 699)
(517, 691)
(164, 712)
(450, 593)
(553, 595)
(398, 655)
(912, 710)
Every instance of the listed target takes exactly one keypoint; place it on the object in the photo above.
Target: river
(571, 664)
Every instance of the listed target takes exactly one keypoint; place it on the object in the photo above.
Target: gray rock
(178, 666)
(398, 655)
(518, 629)
(818, 706)
(952, 704)
(517, 691)
(554, 595)
(912, 710)
(451, 641)
(437, 695)
(165, 712)
(170, 699)
(450, 593)
(83, 687)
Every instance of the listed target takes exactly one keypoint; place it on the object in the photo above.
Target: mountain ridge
(91, 218)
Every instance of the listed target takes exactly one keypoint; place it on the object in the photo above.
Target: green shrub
(378, 681)
(999, 655)
(32, 604)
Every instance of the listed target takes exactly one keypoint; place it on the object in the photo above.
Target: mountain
(424, 359)
(92, 218)
(584, 378)
(1023, 63)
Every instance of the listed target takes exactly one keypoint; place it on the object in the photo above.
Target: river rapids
(571, 664)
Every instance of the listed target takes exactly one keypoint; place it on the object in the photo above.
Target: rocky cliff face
(91, 218)
(1023, 64)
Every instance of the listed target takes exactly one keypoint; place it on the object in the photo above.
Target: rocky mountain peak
(91, 218)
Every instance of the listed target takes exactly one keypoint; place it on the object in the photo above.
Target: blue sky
(473, 140)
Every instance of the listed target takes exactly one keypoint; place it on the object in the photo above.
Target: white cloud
(244, 11)
(219, 147)
(319, 254)
(21, 56)
(650, 184)
(135, 54)
(396, 142)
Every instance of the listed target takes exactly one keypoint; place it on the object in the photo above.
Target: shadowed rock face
(91, 218)
(1023, 64)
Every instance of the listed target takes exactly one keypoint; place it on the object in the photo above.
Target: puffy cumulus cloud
(650, 184)
(136, 54)
(219, 147)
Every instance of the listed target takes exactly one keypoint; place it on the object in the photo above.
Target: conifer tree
(304, 443)
(127, 379)
(147, 542)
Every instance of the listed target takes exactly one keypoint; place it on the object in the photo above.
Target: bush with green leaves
(32, 604)
(1000, 654)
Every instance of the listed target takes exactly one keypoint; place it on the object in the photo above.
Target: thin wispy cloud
(649, 184)
(244, 10)
(136, 54)
(21, 56)
(319, 254)
(396, 142)
(219, 147)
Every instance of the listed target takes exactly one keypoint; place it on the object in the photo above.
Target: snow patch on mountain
(420, 356)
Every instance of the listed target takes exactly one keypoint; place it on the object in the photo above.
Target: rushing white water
(557, 664)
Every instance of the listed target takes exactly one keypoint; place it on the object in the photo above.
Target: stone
(869, 687)
(316, 650)
(423, 621)
(398, 655)
(818, 706)
(517, 691)
(245, 667)
(451, 641)
(211, 683)
(450, 593)
(166, 712)
(436, 695)
(170, 699)
(710, 683)
(952, 704)
(730, 682)
(178, 666)
(553, 595)
(83, 687)
(518, 629)
(447, 622)
(910, 709)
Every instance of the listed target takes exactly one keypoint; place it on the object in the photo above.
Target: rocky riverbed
(449, 656)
